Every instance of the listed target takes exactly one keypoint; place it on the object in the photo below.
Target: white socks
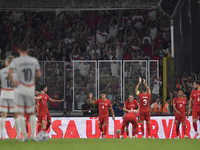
(33, 125)
(22, 125)
(17, 126)
(2, 126)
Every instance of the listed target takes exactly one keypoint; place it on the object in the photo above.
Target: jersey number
(144, 102)
(9, 84)
(102, 107)
(27, 74)
(198, 99)
(180, 105)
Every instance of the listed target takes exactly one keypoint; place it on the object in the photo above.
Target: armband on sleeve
(137, 92)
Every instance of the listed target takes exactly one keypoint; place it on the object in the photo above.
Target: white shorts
(7, 104)
(25, 102)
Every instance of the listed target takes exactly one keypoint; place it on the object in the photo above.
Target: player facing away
(130, 118)
(195, 98)
(129, 106)
(104, 104)
(180, 107)
(43, 112)
(7, 101)
(27, 68)
(144, 100)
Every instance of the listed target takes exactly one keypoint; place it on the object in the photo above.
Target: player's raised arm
(148, 89)
(91, 101)
(136, 88)
(37, 98)
(190, 105)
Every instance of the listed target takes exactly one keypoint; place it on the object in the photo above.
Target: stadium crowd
(91, 35)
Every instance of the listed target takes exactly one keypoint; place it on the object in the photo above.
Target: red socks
(195, 126)
(47, 126)
(149, 129)
(142, 128)
(184, 129)
(177, 130)
(105, 130)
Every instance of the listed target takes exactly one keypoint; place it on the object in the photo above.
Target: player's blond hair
(10, 58)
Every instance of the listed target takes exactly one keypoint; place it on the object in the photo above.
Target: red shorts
(195, 114)
(103, 120)
(44, 116)
(179, 120)
(26, 117)
(144, 116)
(133, 121)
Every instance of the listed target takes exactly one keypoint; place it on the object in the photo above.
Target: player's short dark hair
(130, 94)
(23, 47)
(43, 86)
(197, 82)
(144, 89)
(180, 90)
(103, 92)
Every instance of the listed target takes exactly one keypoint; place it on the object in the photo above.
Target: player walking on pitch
(7, 100)
(26, 69)
(144, 100)
(180, 107)
(103, 104)
(195, 96)
(129, 106)
(43, 112)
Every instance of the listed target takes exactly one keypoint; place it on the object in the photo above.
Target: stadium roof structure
(51, 5)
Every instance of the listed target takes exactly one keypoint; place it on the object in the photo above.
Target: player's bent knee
(194, 120)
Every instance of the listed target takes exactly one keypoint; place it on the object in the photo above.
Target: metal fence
(54, 77)
(84, 82)
(110, 78)
(132, 70)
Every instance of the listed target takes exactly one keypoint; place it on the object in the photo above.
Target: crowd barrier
(87, 127)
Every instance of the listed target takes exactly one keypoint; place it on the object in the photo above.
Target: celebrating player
(26, 69)
(7, 98)
(129, 118)
(103, 104)
(129, 106)
(43, 112)
(180, 107)
(144, 100)
(195, 96)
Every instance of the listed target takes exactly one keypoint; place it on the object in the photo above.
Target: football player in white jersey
(27, 68)
(7, 101)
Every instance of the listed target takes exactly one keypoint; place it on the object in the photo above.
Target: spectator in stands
(156, 55)
(84, 68)
(157, 83)
(110, 94)
(101, 36)
(153, 30)
(166, 108)
(156, 108)
(115, 68)
(87, 108)
(97, 50)
(118, 107)
(80, 98)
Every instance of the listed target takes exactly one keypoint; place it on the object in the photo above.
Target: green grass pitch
(102, 144)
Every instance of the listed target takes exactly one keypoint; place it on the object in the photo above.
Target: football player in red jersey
(180, 107)
(129, 106)
(144, 100)
(43, 112)
(129, 118)
(26, 115)
(195, 98)
(104, 104)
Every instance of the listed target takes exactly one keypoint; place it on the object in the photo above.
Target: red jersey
(180, 105)
(144, 100)
(195, 95)
(103, 107)
(131, 105)
(132, 115)
(42, 104)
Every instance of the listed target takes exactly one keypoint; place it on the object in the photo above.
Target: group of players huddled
(134, 109)
(18, 95)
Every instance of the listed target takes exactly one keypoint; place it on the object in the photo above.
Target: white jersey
(26, 68)
(7, 89)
